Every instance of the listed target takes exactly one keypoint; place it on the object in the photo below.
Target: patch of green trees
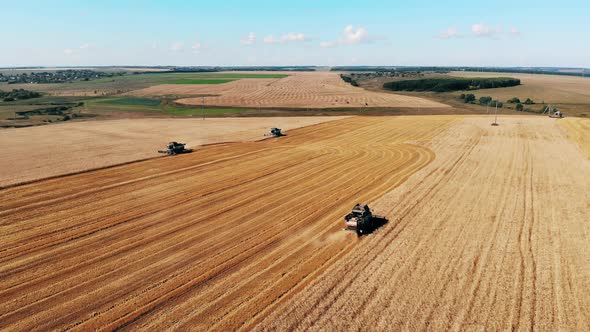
(485, 100)
(467, 98)
(349, 79)
(451, 84)
(470, 98)
(516, 100)
(495, 103)
(58, 76)
(18, 94)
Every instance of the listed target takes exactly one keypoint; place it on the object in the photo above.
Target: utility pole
(496, 115)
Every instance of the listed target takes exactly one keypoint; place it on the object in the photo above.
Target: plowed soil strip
(205, 240)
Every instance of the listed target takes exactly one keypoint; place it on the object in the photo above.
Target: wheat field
(298, 90)
(488, 230)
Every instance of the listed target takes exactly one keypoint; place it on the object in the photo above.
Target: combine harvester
(553, 112)
(275, 132)
(556, 114)
(175, 148)
(362, 220)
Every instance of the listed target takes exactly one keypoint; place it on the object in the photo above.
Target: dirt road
(210, 239)
(492, 235)
(44, 151)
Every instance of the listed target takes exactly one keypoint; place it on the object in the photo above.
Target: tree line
(470, 98)
(18, 94)
(451, 84)
(584, 72)
(349, 79)
(58, 76)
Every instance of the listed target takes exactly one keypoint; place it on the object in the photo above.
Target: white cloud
(350, 36)
(450, 32)
(181, 46)
(482, 30)
(76, 50)
(514, 31)
(250, 40)
(271, 40)
(197, 47)
(295, 37)
(290, 37)
(328, 44)
(177, 47)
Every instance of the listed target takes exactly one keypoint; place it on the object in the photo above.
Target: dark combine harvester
(275, 132)
(174, 148)
(361, 219)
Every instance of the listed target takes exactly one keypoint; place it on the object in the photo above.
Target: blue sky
(394, 32)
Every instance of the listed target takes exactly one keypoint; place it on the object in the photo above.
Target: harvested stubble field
(488, 230)
(203, 240)
(298, 90)
(40, 152)
(551, 88)
(121, 84)
(570, 94)
(492, 235)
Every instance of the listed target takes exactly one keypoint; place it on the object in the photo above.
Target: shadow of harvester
(376, 223)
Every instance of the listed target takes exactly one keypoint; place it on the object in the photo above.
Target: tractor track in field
(299, 90)
(210, 239)
(109, 144)
(483, 233)
(491, 235)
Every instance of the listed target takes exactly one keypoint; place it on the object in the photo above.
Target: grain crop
(206, 240)
(492, 235)
(39, 152)
(298, 90)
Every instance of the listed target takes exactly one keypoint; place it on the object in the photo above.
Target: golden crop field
(578, 129)
(80, 146)
(492, 235)
(203, 240)
(267, 166)
(569, 93)
(298, 90)
(487, 230)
